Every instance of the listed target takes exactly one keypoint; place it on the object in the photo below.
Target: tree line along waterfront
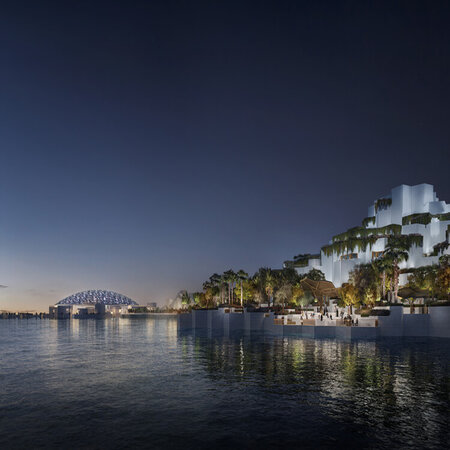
(369, 285)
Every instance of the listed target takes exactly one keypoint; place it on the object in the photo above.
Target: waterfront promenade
(398, 323)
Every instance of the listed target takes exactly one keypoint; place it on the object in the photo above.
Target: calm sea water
(138, 383)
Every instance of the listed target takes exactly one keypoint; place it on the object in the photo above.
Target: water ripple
(138, 383)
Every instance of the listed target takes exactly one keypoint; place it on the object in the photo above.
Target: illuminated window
(349, 256)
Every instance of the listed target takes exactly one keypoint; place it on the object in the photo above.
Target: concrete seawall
(220, 322)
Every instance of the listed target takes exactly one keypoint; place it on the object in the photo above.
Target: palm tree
(198, 298)
(396, 251)
(215, 279)
(185, 298)
(381, 266)
(241, 276)
(230, 278)
(216, 282)
(259, 280)
(270, 283)
(210, 290)
(220, 282)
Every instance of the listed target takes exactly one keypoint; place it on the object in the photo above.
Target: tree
(266, 281)
(218, 281)
(349, 295)
(396, 251)
(283, 294)
(185, 298)
(382, 266)
(444, 261)
(302, 298)
(365, 279)
(287, 283)
(315, 275)
(259, 282)
(210, 291)
(270, 284)
(247, 290)
(242, 276)
(215, 280)
(297, 294)
(425, 278)
(289, 275)
(223, 286)
(199, 298)
(230, 278)
(443, 276)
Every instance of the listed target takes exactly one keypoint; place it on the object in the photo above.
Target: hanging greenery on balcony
(443, 217)
(424, 218)
(366, 232)
(350, 244)
(389, 229)
(439, 248)
(382, 203)
(350, 233)
(410, 240)
(368, 220)
(361, 243)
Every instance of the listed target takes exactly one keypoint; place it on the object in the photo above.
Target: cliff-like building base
(220, 322)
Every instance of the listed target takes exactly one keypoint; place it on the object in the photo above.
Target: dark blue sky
(146, 145)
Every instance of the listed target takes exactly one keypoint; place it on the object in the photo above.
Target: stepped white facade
(408, 210)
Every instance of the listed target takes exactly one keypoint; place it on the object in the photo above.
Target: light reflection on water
(138, 383)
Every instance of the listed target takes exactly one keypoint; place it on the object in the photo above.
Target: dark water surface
(138, 383)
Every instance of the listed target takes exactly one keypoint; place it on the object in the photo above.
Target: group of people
(329, 316)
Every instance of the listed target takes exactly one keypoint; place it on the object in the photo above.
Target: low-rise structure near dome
(91, 304)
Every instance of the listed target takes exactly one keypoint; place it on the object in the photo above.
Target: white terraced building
(413, 211)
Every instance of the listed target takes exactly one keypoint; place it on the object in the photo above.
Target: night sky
(146, 145)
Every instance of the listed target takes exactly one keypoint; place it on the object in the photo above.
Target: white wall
(406, 200)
